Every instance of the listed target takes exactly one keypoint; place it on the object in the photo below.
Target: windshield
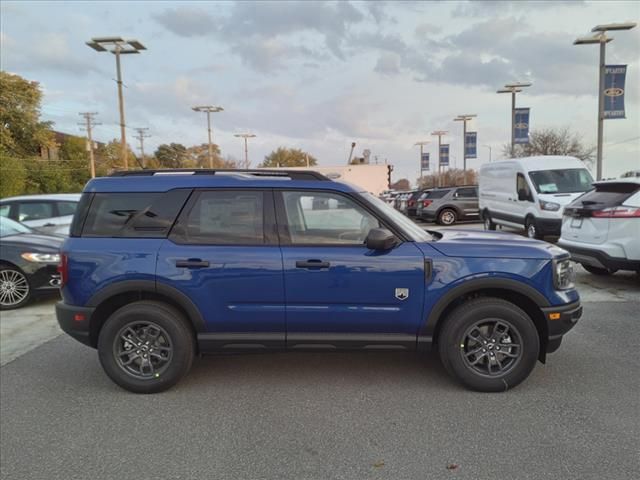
(570, 180)
(11, 227)
(414, 231)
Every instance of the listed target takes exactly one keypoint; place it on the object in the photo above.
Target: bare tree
(554, 141)
(450, 178)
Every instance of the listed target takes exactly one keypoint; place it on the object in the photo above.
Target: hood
(563, 199)
(38, 241)
(481, 244)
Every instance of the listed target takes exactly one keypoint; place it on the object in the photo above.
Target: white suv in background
(601, 228)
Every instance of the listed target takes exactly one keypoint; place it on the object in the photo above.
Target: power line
(89, 123)
(623, 141)
(142, 134)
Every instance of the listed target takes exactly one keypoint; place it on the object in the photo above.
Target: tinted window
(326, 218)
(467, 192)
(225, 218)
(4, 210)
(67, 208)
(438, 193)
(561, 181)
(34, 211)
(606, 195)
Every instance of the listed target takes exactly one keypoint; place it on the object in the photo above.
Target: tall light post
(118, 46)
(209, 109)
(421, 144)
(439, 134)
(513, 88)
(246, 148)
(489, 147)
(464, 119)
(601, 38)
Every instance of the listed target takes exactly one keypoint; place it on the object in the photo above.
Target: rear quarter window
(607, 195)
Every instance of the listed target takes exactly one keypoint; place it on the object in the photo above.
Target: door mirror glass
(380, 239)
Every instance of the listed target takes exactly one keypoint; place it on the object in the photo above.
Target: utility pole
(118, 46)
(421, 144)
(601, 38)
(209, 109)
(513, 88)
(464, 119)
(88, 124)
(439, 134)
(142, 134)
(246, 148)
(489, 147)
(353, 145)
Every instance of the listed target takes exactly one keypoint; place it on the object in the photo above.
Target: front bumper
(75, 321)
(560, 319)
(599, 259)
(549, 226)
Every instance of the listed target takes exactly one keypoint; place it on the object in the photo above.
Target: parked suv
(447, 206)
(163, 265)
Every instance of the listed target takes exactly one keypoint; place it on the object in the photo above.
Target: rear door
(223, 254)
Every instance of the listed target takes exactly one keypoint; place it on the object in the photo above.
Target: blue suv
(163, 265)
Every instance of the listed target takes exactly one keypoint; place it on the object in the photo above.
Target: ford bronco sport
(163, 265)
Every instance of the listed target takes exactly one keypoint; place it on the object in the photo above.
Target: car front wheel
(15, 290)
(489, 344)
(146, 347)
(447, 217)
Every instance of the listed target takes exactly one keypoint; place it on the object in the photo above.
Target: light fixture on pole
(118, 46)
(421, 144)
(209, 109)
(513, 88)
(439, 134)
(246, 148)
(601, 38)
(464, 119)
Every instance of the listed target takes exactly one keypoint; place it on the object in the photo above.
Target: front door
(223, 255)
(338, 292)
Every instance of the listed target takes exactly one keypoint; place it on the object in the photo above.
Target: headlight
(563, 274)
(551, 206)
(41, 257)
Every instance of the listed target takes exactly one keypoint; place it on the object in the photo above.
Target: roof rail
(292, 174)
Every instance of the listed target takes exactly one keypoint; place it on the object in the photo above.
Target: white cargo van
(531, 192)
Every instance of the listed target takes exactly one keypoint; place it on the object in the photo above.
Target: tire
(531, 229)
(447, 216)
(488, 223)
(15, 290)
(167, 332)
(458, 351)
(598, 271)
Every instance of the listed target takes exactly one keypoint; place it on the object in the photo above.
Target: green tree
(288, 157)
(75, 157)
(199, 156)
(174, 155)
(108, 158)
(13, 176)
(553, 141)
(21, 131)
(47, 177)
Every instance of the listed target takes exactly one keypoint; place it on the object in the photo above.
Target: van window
(521, 184)
(569, 180)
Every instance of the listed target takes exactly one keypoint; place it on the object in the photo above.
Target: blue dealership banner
(521, 125)
(471, 145)
(614, 76)
(424, 161)
(444, 155)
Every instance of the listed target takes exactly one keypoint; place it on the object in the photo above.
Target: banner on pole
(471, 145)
(614, 76)
(444, 155)
(521, 125)
(424, 161)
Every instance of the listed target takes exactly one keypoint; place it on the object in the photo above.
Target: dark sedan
(28, 264)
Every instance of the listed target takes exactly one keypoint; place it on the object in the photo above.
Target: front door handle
(192, 263)
(312, 264)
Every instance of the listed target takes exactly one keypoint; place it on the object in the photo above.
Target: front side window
(326, 218)
(226, 218)
(522, 187)
(34, 211)
(467, 192)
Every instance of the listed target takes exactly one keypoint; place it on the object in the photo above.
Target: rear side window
(34, 211)
(438, 193)
(224, 218)
(133, 215)
(471, 192)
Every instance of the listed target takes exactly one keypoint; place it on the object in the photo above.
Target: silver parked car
(50, 214)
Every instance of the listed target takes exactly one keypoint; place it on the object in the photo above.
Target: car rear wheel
(15, 290)
(489, 344)
(598, 271)
(146, 347)
(447, 217)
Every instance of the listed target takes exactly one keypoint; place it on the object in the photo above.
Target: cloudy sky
(319, 75)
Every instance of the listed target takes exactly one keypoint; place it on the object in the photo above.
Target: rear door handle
(192, 263)
(312, 264)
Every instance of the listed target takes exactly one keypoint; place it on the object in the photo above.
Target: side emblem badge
(402, 293)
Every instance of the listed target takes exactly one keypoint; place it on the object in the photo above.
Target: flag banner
(471, 145)
(614, 76)
(521, 125)
(444, 155)
(424, 161)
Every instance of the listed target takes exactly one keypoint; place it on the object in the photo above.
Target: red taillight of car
(412, 203)
(426, 203)
(63, 270)
(617, 212)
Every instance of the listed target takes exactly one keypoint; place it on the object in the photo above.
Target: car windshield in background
(570, 180)
(407, 225)
(10, 227)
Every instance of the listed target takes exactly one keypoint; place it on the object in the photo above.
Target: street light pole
(487, 146)
(601, 38)
(209, 109)
(118, 46)
(246, 147)
(513, 88)
(421, 144)
(464, 119)
(439, 134)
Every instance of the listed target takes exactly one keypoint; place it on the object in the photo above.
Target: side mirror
(522, 195)
(380, 239)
